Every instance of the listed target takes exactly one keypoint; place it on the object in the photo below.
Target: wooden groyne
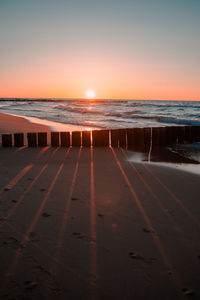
(138, 139)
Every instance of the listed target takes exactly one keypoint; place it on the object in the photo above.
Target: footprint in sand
(135, 255)
(74, 199)
(100, 215)
(30, 284)
(78, 235)
(148, 230)
(13, 242)
(46, 215)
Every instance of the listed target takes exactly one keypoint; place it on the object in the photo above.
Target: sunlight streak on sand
(93, 234)
(149, 225)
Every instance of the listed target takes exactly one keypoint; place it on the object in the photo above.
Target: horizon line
(89, 99)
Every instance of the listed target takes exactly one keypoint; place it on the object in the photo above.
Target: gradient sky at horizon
(133, 49)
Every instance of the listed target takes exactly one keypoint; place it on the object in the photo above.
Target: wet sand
(18, 124)
(83, 223)
(14, 124)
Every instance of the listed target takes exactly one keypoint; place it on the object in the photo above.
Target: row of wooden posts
(135, 138)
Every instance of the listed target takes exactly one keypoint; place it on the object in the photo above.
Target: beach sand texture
(87, 224)
(83, 223)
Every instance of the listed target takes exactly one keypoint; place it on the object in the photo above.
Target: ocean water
(106, 113)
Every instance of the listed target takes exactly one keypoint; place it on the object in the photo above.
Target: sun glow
(90, 94)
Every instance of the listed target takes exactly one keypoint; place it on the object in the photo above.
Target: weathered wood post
(55, 139)
(100, 138)
(136, 139)
(114, 137)
(195, 133)
(7, 140)
(122, 138)
(130, 138)
(155, 136)
(162, 136)
(32, 139)
(170, 139)
(180, 134)
(65, 139)
(147, 138)
(76, 138)
(18, 139)
(86, 138)
(188, 137)
(175, 134)
(42, 139)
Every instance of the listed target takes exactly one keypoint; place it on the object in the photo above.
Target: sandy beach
(83, 223)
(12, 124)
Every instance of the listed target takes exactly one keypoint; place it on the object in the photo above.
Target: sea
(108, 113)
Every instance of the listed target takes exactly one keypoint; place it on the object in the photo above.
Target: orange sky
(63, 50)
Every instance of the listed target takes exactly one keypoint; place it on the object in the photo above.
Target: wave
(85, 110)
(76, 109)
(108, 113)
(3, 105)
(170, 120)
(180, 121)
(161, 104)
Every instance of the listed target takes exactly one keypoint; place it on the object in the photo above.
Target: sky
(120, 49)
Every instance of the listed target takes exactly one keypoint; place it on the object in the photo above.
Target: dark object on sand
(42, 139)
(76, 139)
(65, 139)
(32, 139)
(7, 140)
(19, 139)
(55, 139)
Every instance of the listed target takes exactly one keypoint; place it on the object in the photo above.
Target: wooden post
(162, 136)
(175, 134)
(188, 136)
(100, 138)
(138, 135)
(65, 139)
(155, 136)
(42, 139)
(195, 133)
(114, 137)
(147, 138)
(180, 134)
(32, 139)
(122, 138)
(55, 139)
(7, 140)
(18, 139)
(170, 135)
(76, 139)
(86, 138)
(130, 138)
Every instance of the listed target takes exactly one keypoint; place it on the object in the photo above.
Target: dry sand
(88, 224)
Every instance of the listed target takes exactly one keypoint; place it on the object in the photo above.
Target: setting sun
(90, 94)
